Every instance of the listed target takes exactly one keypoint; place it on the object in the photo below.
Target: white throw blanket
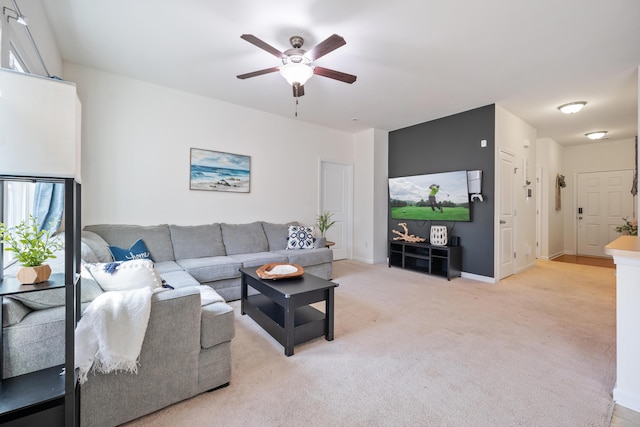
(110, 333)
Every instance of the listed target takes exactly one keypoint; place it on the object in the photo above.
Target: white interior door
(539, 195)
(604, 198)
(506, 227)
(335, 197)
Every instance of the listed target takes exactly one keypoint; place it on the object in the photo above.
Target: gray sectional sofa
(187, 345)
(211, 254)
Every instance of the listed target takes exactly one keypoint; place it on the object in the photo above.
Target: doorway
(603, 199)
(335, 195)
(506, 227)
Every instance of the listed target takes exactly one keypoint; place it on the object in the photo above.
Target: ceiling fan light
(572, 107)
(296, 73)
(596, 135)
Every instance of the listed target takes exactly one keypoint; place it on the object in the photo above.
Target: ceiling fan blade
(298, 90)
(258, 73)
(263, 45)
(329, 45)
(333, 74)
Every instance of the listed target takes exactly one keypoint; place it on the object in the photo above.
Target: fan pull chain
(296, 108)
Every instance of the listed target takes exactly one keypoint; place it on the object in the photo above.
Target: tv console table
(443, 261)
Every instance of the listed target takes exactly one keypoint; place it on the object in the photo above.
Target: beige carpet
(537, 349)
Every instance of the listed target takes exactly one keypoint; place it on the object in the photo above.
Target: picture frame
(219, 171)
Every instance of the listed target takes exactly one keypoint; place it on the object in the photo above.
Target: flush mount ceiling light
(596, 135)
(572, 107)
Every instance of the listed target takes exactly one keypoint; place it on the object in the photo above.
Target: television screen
(436, 196)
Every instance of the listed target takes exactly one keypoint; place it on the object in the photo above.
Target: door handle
(502, 221)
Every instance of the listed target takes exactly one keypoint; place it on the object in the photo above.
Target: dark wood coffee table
(282, 307)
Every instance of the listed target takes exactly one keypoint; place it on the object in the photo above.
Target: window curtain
(48, 205)
(634, 185)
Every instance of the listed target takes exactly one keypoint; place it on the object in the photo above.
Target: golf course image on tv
(436, 196)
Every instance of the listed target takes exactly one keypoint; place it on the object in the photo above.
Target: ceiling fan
(297, 64)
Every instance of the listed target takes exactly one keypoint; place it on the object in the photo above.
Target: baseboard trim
(478, 277)
(626, 399)
(556, 255)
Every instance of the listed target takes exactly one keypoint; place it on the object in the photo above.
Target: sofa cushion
(197, 241)
(179, 279)
(37, 342)
(208, 295)
(98, 245)
(217, 324)
(137, 251)
(300, 237)
(55, 297)
(126, 275)
(167, 266)
(259, 258)
(277, 234)
(305, 257)
(211, 268)
(244, 238)
(156, 237)
(13, 311)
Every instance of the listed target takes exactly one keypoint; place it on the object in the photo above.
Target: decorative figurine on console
(406, 236)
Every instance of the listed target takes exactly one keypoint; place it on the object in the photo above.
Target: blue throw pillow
(137, 251)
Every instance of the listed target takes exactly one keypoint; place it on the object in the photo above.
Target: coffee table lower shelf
(309, 323)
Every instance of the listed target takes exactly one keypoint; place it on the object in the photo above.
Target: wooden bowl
(279, 270)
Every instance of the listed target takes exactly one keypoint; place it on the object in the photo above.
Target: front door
(604, 198)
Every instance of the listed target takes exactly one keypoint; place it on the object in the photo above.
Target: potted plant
(630, 228)
(32, 247)
(324, 222)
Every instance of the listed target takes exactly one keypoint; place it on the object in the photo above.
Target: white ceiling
(416, 60)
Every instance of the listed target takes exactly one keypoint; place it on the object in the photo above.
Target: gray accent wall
(448, 144)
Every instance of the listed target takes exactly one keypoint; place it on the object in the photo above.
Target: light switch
(483, 143)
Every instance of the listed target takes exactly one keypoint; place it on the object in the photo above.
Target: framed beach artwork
(217, 171)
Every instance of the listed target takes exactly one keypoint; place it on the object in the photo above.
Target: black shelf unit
(445, 261)
(50, 396)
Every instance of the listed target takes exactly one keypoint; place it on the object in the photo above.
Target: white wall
(607, 155)
(136, 138)
(518, 137)
(381, 196)
(370, 196)
(550, 157)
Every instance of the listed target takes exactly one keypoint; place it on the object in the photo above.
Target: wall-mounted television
(432, 197)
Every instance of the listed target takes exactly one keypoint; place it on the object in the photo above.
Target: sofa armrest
(168, 369)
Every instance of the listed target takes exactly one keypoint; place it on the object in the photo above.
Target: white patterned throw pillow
(125, 275)
(300, 237)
